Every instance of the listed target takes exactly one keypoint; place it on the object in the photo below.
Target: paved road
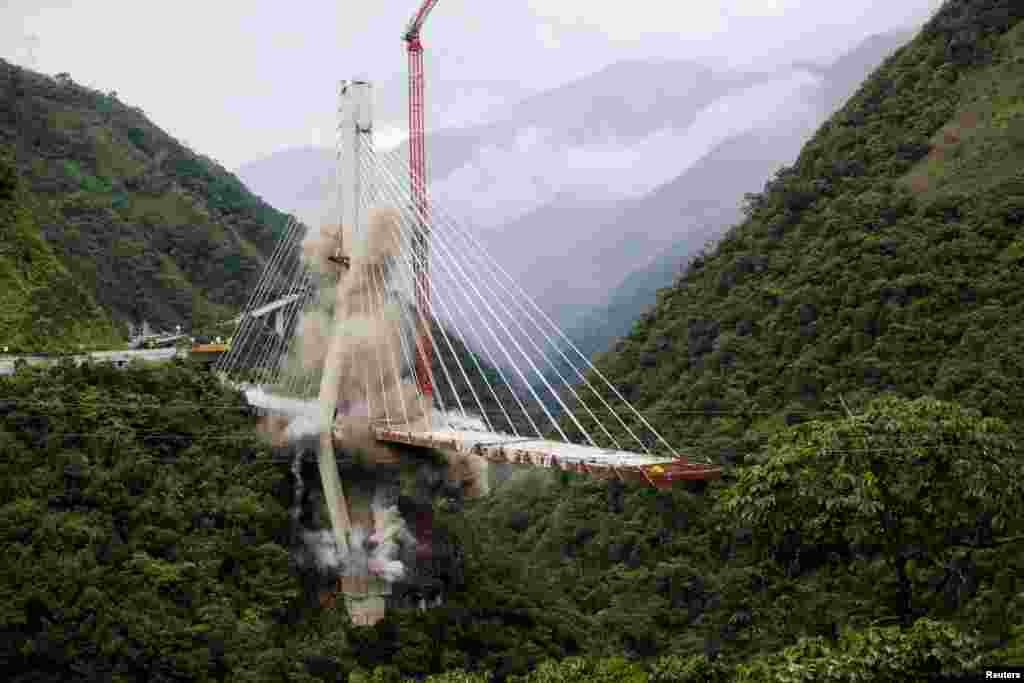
(118, 358)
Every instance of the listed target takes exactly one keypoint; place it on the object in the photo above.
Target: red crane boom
(418, 179)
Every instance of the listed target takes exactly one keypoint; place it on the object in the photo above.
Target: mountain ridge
(152, 230)
(577, 221)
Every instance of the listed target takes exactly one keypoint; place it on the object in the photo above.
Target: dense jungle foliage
(151, 230)
(139, 529)
(146, 533)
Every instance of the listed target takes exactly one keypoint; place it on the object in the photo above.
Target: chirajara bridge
(394, 326)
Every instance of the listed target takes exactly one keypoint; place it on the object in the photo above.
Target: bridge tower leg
(362, 593)
(279, 322)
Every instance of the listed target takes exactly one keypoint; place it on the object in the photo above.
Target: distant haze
(239, 81)
(500, 183)
(593, 194)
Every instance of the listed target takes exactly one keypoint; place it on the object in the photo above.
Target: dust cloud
(375, 384)
(376, 387)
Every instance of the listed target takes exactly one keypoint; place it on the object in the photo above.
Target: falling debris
(382, 235)
(376, 383)
(312, 338)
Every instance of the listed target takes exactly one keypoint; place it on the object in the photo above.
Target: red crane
(418, 179)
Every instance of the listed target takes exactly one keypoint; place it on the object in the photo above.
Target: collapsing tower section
(355, 131)
(355, 122)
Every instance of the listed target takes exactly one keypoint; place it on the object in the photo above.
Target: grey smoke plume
(389, 535)
(469, 423)
(298, 491)
(371, 550)
(322, 550)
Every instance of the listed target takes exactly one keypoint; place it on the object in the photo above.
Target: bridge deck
(659, 471)
(273, 306)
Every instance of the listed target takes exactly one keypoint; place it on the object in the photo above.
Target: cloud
(547, 33)
(388, 137)
(20, 48)
(240, 81)
(501, 183)
(639, 19)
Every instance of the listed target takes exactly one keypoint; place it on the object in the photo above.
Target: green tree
(914, 481)
(875, 654)
(203, 315)
(580, 669)
(459, 676)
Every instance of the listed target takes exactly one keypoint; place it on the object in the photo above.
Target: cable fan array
(423, 284)
(260, 340)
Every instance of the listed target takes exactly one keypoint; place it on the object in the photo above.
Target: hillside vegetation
(147, 534)
(42, 306)
(143, 528)
(150, 229)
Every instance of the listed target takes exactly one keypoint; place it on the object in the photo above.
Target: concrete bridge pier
(279, 322)
(365, 593)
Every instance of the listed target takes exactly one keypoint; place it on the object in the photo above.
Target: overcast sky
(238, 80)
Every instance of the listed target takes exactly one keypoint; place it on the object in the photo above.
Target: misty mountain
(620, 132)
(626, 101)
(846, 74)
(454, 103)
(617, 134)
(680, 218)
(580, 250)
(299, 178)
(686, 214)
(584, 127)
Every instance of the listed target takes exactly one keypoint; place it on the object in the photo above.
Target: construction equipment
(418, 180)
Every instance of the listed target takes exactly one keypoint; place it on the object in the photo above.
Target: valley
(812, 284)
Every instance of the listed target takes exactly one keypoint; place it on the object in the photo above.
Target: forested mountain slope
(149, 533)
(42, 306)
(847, 73)
(888, 258)
(152, 230)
